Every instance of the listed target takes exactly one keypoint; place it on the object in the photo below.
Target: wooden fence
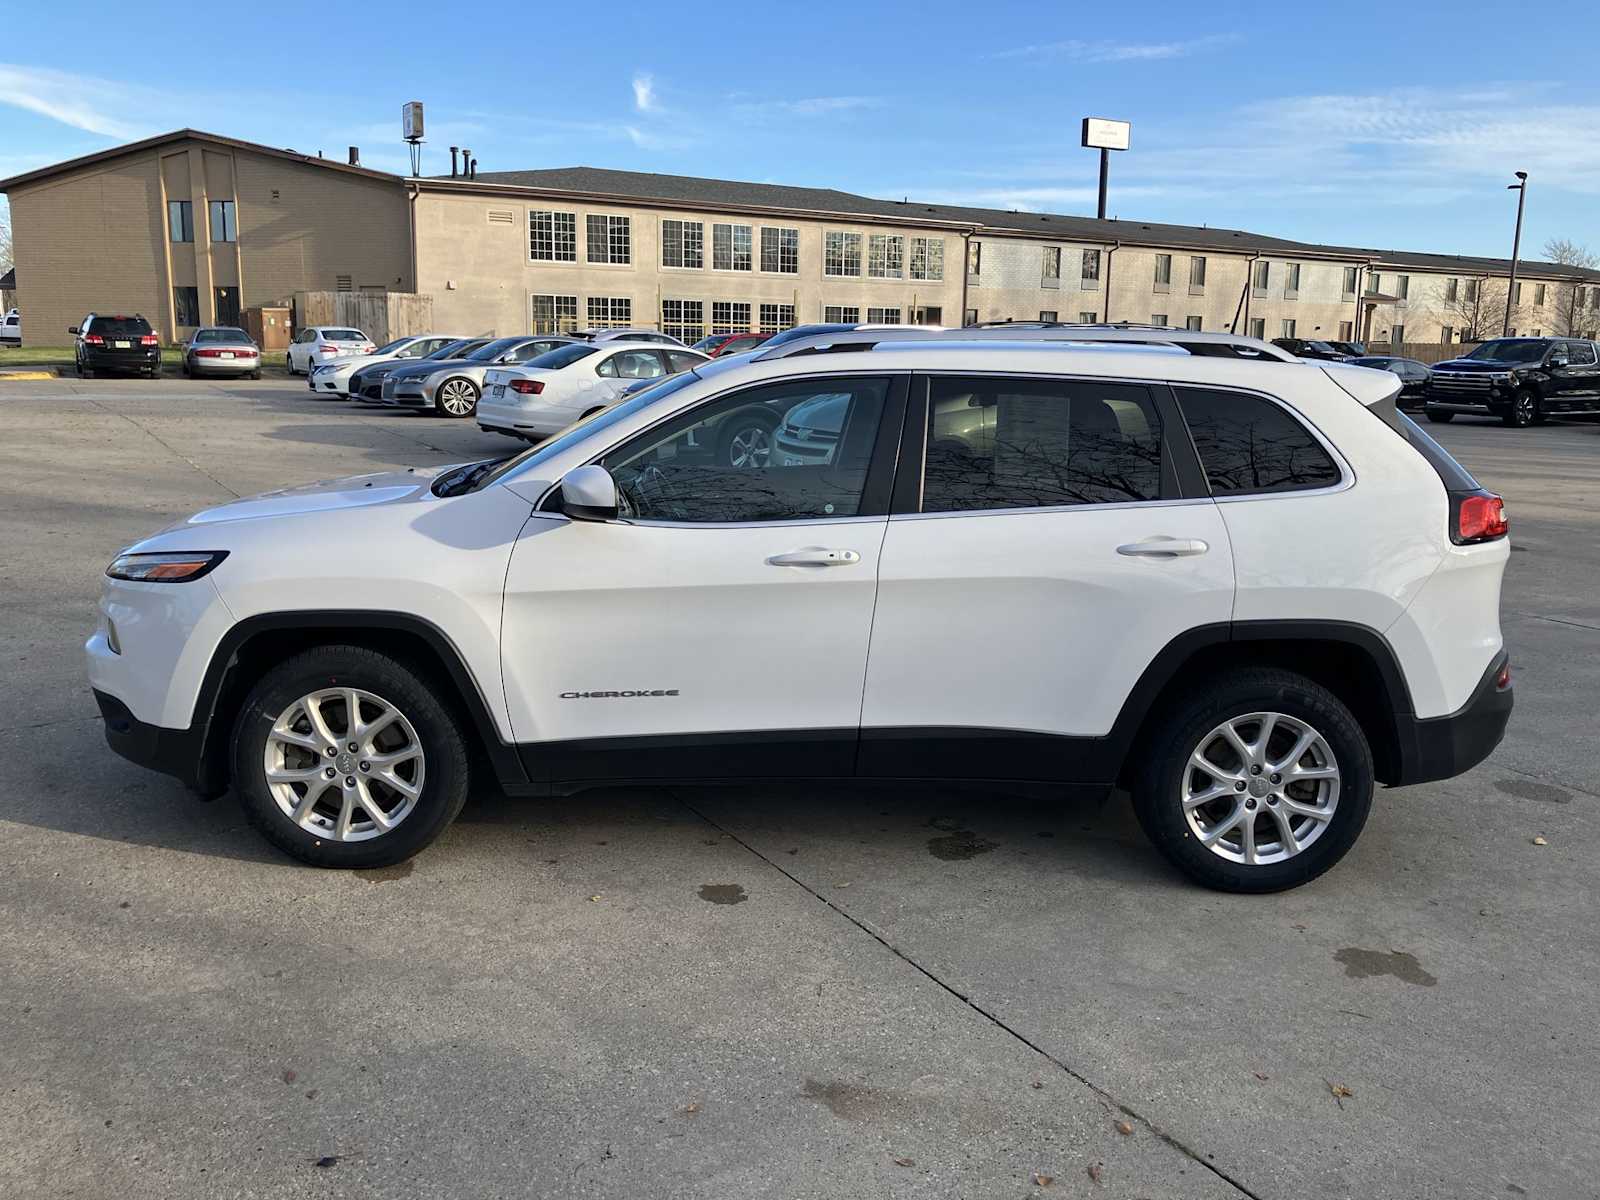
(1426, 352)
(382, 316)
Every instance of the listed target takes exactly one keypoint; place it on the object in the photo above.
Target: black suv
(117, 343)
(1521, 380)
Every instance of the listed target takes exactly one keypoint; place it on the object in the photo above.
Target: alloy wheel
(344, 764)
(1526, 408)
(457, 397)
(750, 448)
(1260, 788)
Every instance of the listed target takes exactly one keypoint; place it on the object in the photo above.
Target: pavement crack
(1555, 620)
(166, 445)
(48, 724)
(994, 1019)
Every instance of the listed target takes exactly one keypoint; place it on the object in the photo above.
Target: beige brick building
(189, 226)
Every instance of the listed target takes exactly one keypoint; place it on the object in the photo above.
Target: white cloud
(644, 94)
(1114, 52)
(81, 101)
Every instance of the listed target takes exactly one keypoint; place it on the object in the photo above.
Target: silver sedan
(221, 350)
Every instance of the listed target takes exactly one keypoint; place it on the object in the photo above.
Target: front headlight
(173, 567)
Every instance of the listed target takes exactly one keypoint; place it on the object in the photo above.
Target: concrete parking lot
(796, 992)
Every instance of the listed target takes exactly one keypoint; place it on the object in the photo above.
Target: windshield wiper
(464, 479)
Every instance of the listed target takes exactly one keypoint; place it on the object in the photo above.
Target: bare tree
(1575, 302)
(1477, 308)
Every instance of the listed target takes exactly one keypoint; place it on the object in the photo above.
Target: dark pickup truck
(1521, 380)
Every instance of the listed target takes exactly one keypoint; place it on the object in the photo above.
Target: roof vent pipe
(355, 156)
(474, 168)
(454, 150)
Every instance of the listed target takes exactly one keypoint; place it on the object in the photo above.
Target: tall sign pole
(1520, 187)
(1105, 136)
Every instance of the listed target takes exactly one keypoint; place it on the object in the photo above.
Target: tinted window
(785, 452)
(679, 361)
(1247, 444)
(1582, 354)
(121, 327)
(1021, 443)
(563, 356)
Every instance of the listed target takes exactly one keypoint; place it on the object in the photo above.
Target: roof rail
(1193, 342)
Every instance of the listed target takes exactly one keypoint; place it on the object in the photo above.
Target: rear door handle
(1164, 547)
(815, 556)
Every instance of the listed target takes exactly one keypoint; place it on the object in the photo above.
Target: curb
(20, 375)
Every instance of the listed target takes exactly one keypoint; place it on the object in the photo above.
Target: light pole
(1521, 189)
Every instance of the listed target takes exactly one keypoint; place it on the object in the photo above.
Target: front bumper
(328, 383)
(1443, 747)
(174, 752)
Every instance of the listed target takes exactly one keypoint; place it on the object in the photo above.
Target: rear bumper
(1443, 747)
(237, 366)
(174, 752)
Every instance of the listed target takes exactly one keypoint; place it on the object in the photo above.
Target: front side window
(775, 318)
(1022, 443)
(684, 319)
(224, 226)
(180, 221)
(633, 364)
(553, 314)
(610, 312)
(841, 314)
(780, 250)
(730, 248)
(886, 255)
(1250, 445)
(683, 244)
(821, 435)
(1581, 354)
(730, 316)
(927, 258)
(552, 236)
(841, 253)
(610, 239)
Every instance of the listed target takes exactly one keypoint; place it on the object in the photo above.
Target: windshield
(562, 356)
(710, 343)
(451, 349)
(494, 349)
(1516, 350)
(395, 346)
(593, 425)
(221, 335)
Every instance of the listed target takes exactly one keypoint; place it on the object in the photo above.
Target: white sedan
(333, 378)
(324, 343)
(548, 393)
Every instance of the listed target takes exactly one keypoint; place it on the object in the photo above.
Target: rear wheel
(345, 757)
(255, 374)
(456, 397)
(745, 442)
(1259, 781)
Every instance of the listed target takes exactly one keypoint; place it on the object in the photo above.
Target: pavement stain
(723, 893)
(1527, 789)
(960, 844)
(1367, 964)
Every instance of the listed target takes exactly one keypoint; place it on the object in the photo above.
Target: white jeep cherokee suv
(1247, 591)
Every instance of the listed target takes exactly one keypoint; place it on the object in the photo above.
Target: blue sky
(1375, 125)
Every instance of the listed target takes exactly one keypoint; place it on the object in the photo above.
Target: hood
(1479, 364)
(429, 366)
(355, 491)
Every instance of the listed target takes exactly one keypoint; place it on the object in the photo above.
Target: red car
(719, 344)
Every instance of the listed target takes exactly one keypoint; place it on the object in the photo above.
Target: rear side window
(1249, 445)
(997, 443)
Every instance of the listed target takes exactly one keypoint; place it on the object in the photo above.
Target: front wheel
(745, 442)
(1440, 416)
(456, 398)
(1525, 410)
(1260, 781)
(345, 757)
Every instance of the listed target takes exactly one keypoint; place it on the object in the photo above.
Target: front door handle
(815, 556)
(1164, 547)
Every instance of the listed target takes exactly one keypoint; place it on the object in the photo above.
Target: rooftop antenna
(411, 132)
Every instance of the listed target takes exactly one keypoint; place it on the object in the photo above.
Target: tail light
(327, 349)
(149, 339)
(1502, 677)
(526, 387)
(93, 339)
(1477, 517)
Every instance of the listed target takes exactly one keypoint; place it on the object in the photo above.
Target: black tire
(255, 374)
(1164, 754)
(735, 433)
(85, 371)
(288, 363)
(1525, 410)
(438, 399)
(1440, 416)
(155, 372)
(444, 784)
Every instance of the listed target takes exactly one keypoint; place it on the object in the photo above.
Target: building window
(1350, 283)
(1347, 330)
(1516, 293)
(730, 316)
(1538, 295)
(1192, 323)
(553, 314)
(683, 244)
(926, 314)
(1286, 329)
(1472, 291)
(780, 250)
(1258, 327)
(841, 253)
(1163, 272)
(1051, 273)
(730, 248)
(1447, 334)
(927, 258)
(974, 259)
(610, 312)
(227, 299)
(1374, 280)
(610, 239)
(1402, 286)
(1048, 314)
(684, 319)
(1397, 336)
(186, 305)
(1159, 320)
(886, 254)
(1450, 287)
(969, 317)
(776, 317)
(223, 225)
(841, 314)
(1197, 275)
(552, 236)
(883, 316)
(180, 222)
(1291, 281)
(1262, 277)
(1091, 269)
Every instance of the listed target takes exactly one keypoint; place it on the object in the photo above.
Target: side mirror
(72, 329)
(589, 494)
(1557, 360)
